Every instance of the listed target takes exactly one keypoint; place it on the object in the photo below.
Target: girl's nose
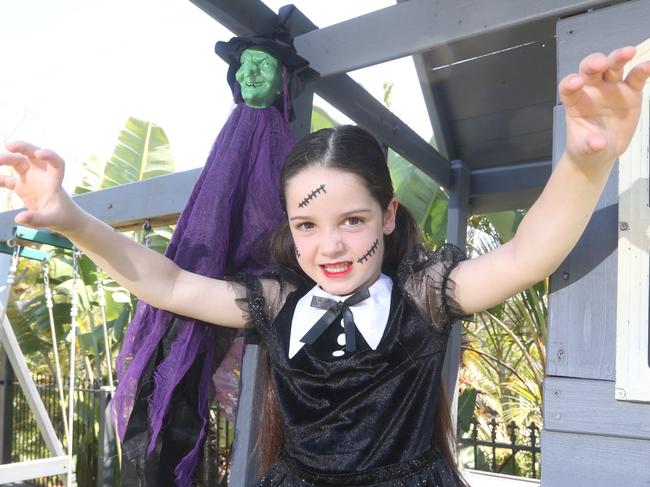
(332, 245)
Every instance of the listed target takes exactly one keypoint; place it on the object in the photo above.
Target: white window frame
(633, 288)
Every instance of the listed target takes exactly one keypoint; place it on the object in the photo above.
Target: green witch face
(259, 77)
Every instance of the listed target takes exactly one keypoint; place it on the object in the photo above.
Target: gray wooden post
(245, 462)
(458, 213)
(106, 451)
(6, 378)
(6, 408)
(302, 106)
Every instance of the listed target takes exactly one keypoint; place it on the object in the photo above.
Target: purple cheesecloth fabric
(223, 230)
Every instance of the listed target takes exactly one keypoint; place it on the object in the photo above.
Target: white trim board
(633, 288)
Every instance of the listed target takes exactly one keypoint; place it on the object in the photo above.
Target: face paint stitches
(297, 252)
(312, 195)
(371, 251)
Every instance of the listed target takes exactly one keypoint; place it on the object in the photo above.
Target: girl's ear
(390, 215)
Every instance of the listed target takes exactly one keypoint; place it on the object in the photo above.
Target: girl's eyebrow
(347, 213)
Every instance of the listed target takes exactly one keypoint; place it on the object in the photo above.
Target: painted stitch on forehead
(371, 251)
(311, 196)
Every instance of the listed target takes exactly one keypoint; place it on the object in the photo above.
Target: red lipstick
(336, 269)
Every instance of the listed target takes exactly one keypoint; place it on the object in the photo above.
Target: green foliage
(142, 152)
(466, 405)
(425, 199)
(388, 93)
(320, 119)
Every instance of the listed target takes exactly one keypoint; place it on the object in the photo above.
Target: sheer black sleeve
(424, 280)
(261, 297)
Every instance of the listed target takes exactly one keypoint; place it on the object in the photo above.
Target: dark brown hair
(354, 150)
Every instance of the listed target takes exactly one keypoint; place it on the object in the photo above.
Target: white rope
(57, 363)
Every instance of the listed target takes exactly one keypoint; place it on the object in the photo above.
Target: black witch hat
(279, 43)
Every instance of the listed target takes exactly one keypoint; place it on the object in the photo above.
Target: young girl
(356, 317)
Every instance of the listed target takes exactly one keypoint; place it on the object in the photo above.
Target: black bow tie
(334, 311)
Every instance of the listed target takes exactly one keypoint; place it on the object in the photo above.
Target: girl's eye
(305, 226)
(353, 221)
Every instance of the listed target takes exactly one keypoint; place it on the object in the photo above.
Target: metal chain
(146, 235)
(13, 266)
(11, 276)
(46, 282)
(76, 253)
(101, 299)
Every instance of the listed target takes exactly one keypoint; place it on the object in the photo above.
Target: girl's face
(338, 228)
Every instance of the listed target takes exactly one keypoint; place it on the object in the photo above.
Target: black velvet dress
(367, 417)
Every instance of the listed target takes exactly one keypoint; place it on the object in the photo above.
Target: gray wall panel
(508, 149)
(588, 406)
(590, 438)
(582, 302)
(571, 460)
(601, 30)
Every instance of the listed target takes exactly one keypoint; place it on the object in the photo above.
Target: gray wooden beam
(507, 187)
(340, 91)
(242, 17)
(513, 177)
(491, 203)
(382, 35)
(159, 200)
(566, 399)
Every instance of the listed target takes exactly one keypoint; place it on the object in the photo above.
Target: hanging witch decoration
(167, 363)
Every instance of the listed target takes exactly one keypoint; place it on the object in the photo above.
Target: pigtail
(404, 239)
(271, 437)
(444, 436)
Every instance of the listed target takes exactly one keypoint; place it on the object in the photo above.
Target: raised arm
(602, 110)
(152, 277)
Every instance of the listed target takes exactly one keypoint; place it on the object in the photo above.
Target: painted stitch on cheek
(297, 252)
(311, 196)
(371, 251)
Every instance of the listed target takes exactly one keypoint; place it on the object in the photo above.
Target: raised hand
(602, 106)
(37, 181)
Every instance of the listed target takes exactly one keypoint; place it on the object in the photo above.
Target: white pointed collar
(370, 316)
